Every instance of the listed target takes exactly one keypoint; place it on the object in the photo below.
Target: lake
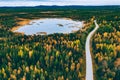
(50, 26)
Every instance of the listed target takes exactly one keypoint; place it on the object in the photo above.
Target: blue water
(50, 26)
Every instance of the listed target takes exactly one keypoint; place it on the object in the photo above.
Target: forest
(60, 56)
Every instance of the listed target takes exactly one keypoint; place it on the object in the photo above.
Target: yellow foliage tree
(20, 53)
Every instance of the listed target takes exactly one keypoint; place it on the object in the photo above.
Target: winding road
(89, 67)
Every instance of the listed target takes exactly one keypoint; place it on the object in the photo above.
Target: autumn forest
(60, 56)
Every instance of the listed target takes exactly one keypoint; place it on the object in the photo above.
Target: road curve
(89, 68)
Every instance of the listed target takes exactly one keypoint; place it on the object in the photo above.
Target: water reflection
(49, 26)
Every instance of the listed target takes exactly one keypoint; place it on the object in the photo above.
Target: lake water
(50, 26)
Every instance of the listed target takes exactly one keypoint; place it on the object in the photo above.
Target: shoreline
(22, 22)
